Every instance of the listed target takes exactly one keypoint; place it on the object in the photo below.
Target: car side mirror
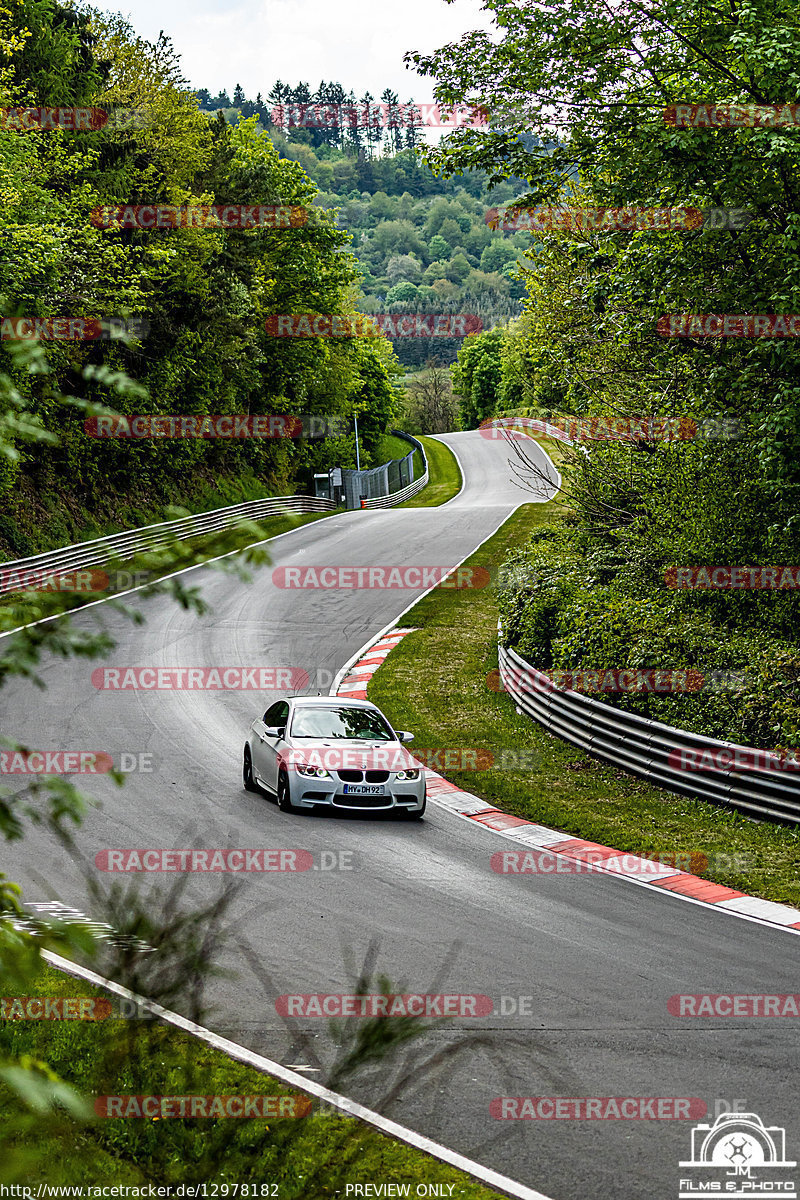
(274, 732)
(403, 735)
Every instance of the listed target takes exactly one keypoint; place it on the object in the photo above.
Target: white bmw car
(327, 751)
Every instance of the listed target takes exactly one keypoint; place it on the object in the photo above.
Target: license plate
(364, 789)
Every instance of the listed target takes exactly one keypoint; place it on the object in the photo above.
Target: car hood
(343, 743)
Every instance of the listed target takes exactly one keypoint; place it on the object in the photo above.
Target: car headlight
(313, 772)
(409, 773)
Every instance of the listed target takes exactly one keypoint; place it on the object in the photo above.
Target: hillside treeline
(595, 592)
(422, 241)
(361, 126)
(202, 293)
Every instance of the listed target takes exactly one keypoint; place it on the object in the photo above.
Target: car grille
(363, 776)
(362, 801)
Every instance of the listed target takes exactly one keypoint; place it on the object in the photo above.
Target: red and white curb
(354, 684)
(603, 859)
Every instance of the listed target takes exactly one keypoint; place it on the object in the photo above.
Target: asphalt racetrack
(594, 959)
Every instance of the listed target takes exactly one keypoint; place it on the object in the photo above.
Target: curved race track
(599, 956)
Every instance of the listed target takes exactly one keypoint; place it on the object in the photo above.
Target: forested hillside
(203, 293)
(600, 591)
(422, 241)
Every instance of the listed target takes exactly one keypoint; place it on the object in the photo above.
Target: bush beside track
(434, 683)
(313, 1156)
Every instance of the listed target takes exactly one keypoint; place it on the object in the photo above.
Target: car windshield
(357, 724)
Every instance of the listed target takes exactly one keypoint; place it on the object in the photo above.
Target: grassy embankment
(445, 481)
(313, 1156)
(448, 703)
(444, 475)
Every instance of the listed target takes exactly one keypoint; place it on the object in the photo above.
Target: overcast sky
(358, 43)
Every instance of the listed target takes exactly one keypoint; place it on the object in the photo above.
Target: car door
(265, 748)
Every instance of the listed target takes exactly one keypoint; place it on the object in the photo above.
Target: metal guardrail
(412, 488)
(644, 747)
(124, 546)
(528, 425)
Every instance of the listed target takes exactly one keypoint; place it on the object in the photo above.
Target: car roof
(329, 702)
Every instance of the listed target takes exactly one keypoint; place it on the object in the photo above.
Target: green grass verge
(390, 447)
(444, 475)
(33, 521)
(435, 683)
(312, 1156)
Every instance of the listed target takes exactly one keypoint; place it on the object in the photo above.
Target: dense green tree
(205, 293)
(439, 247)
(458, 268)
(476, 377)
(403, 268)
(495, 256)
(589, 341)
(402, 293)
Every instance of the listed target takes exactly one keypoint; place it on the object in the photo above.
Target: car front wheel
(284, 800)
(247, 772)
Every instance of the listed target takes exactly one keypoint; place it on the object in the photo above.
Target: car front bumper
(309, 792)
